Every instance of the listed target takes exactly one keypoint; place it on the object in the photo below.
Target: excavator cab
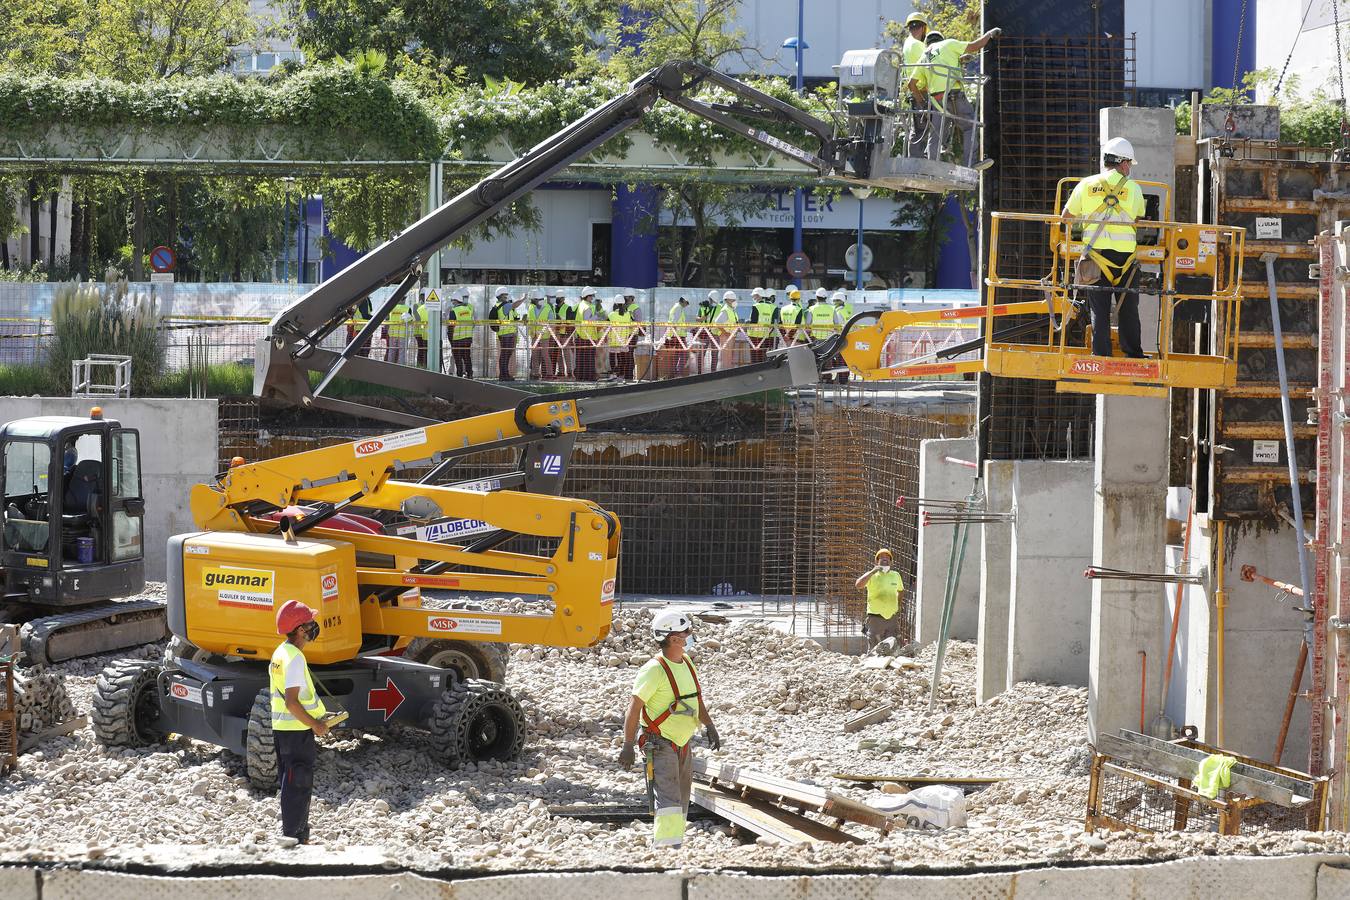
(72, 511)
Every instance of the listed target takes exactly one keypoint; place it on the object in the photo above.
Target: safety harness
(651, 728)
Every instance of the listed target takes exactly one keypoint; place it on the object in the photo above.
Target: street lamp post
(798, 44)
(862, 193)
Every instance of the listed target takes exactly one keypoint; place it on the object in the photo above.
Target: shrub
(88, 318)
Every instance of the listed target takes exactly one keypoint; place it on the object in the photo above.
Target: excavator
(71, 538)
(330, 527)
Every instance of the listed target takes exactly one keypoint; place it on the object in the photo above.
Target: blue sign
(552, 464)
(163, 259)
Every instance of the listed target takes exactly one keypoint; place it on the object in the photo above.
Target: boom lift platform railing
(1193, 269)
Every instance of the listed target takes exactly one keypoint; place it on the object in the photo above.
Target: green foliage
(954, 18)
(88, 318)
(528, 40)
(367, 211)
(333, 102)
(658, 31)
(1312, 121)
(222, 380)
(33, 273)
(129, 40)
(22, 381)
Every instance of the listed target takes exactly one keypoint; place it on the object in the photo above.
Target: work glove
(714, 741)
(627, 756)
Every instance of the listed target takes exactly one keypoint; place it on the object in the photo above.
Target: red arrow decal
(387, 698)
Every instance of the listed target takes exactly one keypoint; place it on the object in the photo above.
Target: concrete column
(939, 480)
(991, 655)
(1129, 533)
(1049, 608)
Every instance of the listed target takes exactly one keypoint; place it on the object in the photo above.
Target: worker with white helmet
(504, 317)
(461, 333)
(724, 321)
(1107, 205)
(588, 334)
(668, 702)
(763, 324)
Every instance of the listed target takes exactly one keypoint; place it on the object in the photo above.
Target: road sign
(851, 255)
(798, 264)
(163, 259)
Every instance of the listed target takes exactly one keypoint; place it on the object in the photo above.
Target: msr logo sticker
(464, 625)
(607, 591)
(240, 587)
(391, 442)
(1086, 367)
(186, 692)
(329, 585)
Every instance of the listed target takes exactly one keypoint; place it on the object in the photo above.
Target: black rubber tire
(126, 704)
(476, 720)
(260, 757)
(180, 648)
(481, 660)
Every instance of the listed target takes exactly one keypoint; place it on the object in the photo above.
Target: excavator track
(96, 629)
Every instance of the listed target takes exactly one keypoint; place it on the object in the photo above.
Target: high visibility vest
(912, 54)
(725, 316)
(822, 320)
(1113, 201)
(763, 326)
(537, 314)
(790, 315)
(398, 326)
(463, 316)
(590, 332)
(282, 719)
(420, 321)
(942, 58)
(883, 594)
(504, 314)
(845, 312)
(622, 328)
(678, 318)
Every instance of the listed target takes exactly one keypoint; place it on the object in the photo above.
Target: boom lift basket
(1194, 270)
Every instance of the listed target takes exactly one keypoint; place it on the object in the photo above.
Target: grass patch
(19, 380)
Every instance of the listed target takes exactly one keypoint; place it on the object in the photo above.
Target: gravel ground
(779, 703)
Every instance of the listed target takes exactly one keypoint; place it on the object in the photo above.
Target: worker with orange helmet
(884, 587)
(297, 716)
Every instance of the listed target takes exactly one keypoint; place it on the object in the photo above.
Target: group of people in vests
(558, 326)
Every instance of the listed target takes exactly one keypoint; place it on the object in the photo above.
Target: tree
(707, 208)
(525, 40)
(650, 32)
(131, 40)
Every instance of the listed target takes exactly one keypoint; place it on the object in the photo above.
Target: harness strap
(652, 727)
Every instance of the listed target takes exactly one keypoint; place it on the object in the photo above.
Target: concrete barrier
(178, 450)
(1321, 877)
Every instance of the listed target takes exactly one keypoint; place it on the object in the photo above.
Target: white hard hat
(790, 288)
(588, 292)
(765, 292)
(755, 292)
(1119, 148)
(537, 294)
(629, 292)
(503, 291)
(670, 621)
(821, 293)
(729, 295)
(839, 297)
(712, 295)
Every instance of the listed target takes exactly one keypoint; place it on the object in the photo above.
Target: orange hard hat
(292, 615)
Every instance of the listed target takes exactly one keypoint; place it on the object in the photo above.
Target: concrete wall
(1050, 602)
(1309, 877)
(178, 450)
(939, 480)
(991, 656)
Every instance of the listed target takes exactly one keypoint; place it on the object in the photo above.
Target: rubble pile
(779, 701)
(40, 700)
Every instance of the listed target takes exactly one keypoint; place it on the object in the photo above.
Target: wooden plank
(921, 780)
(58, 730)
(793, 793)
(868, 717)
(1169, 761)
(621, 813)
(1295, 782)
(766, 820)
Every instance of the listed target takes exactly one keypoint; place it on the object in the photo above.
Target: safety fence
(220, 324)
(778, 499)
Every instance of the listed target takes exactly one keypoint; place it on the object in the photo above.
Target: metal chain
(1242, 30)
(1279, 82)
(1340, 75)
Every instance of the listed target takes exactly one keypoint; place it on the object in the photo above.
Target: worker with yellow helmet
(884, 588)
(916, 29)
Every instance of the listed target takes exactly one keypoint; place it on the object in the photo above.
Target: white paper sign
(1265, 451)
(1269, 229)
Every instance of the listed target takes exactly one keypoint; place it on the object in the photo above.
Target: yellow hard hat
(916, 17)
(881, 551)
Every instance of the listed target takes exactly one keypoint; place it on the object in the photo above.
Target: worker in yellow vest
(588, 334)
(461, 334)
(911, 54)
(623, 335)
(668, 703)
(843, 311)
(675, 348)
(398, 335)
(937, 81)
(884, 587)
(297, 716)
(421, 324)
(1107, 204)
(504, 318)
(821, 315)
(790, 315)
(763, 322)
(538, 315)
(723, 330)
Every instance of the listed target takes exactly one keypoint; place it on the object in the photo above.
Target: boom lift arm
(292, 350)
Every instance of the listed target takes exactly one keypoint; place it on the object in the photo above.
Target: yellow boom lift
(327, 527)
(1194, 270)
